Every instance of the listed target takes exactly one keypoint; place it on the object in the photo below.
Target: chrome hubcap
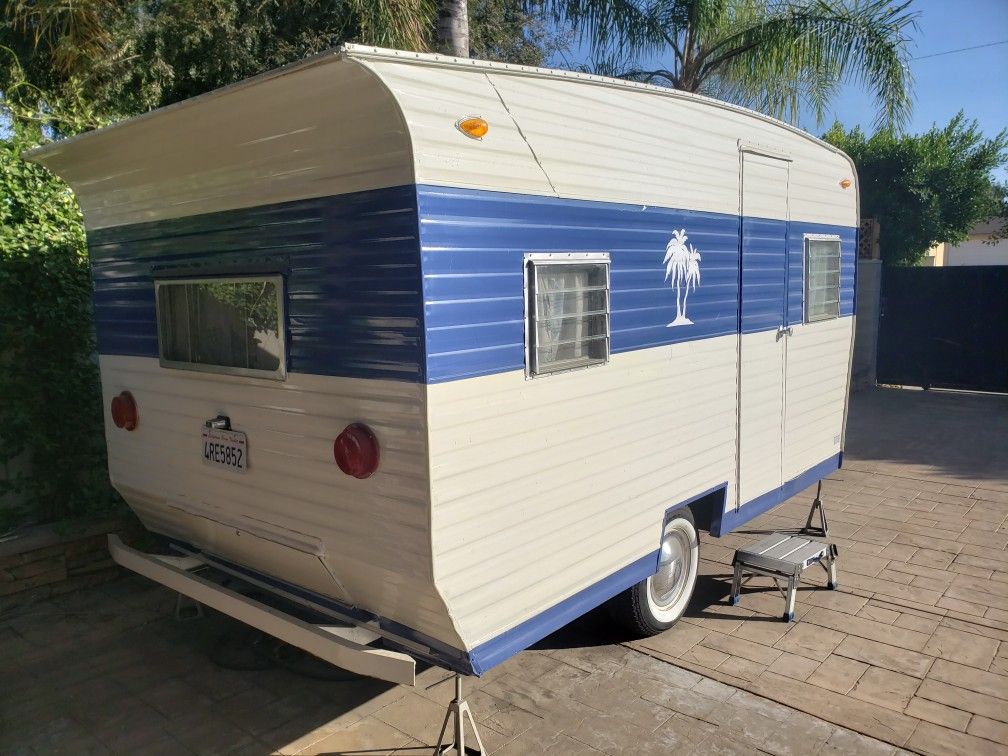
(666, 586)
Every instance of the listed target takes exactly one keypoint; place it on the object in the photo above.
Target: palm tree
(453, 27)
(771, 55)
(682, 268)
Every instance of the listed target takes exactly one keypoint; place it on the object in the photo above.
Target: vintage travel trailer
(458, 350)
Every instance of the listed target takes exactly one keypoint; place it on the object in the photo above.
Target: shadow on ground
(934, 433)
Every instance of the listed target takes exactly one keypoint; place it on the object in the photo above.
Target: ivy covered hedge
(52, 449)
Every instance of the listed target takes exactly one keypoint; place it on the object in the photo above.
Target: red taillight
(124, 411)
(356, 451)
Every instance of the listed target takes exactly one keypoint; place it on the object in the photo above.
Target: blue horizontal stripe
(473, 243)
(351, 268)
(467, 234)
(426, 283)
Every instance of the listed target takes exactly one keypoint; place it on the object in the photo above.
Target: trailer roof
(356, 118)
(366, 52)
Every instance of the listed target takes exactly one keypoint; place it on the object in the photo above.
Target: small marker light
(356, 451)
(473, 127)
(845, 183)
(124, 411)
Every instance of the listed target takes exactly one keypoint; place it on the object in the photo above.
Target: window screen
(222, 325)
(568, 312)
(822, 279)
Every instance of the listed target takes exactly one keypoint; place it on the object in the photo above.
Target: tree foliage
(505, 30)
(772, 55)
(68, 67)
(927, 188)
(128, 57)
(51, 446)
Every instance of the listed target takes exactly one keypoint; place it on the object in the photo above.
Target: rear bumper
(319, 640)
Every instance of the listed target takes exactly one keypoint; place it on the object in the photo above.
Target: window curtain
(561, 304)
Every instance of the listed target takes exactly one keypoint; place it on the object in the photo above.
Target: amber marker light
(845, 183)
(473, 127)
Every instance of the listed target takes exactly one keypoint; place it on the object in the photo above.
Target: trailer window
(822, 278)
(567, 311)
(223, 325)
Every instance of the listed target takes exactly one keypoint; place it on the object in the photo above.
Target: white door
(762, 345)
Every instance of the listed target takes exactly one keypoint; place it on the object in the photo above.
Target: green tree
(775, 56)
(51, 446)
(504, 30)
(925, 188)
(128, 57)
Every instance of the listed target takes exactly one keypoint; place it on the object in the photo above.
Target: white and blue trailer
(460, 350)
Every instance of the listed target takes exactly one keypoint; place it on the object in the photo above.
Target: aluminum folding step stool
(785, 557)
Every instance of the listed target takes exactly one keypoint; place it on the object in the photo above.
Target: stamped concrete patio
(911, 651)
(913, 647)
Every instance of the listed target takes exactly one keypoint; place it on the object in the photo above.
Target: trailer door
(762, 348)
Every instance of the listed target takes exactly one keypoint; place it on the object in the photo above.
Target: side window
(222, 325)
(566, 311)
(822, 278)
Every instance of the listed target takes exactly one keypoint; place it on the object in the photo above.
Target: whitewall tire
(655, 604)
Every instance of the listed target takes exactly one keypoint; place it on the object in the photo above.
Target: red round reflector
(124, 411)
(356, 451)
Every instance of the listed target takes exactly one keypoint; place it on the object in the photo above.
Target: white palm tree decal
(682, 270)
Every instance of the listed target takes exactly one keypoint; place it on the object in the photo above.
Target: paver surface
(910, 653)
(110, 670)
(913, 647)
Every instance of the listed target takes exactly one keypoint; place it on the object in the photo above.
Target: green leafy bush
(925, 188)
(52, 446)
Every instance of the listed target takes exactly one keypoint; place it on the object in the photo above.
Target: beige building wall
(975, 250)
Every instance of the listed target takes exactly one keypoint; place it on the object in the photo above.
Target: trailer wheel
(655, 604)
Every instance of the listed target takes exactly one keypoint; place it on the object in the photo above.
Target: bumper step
(322, 641)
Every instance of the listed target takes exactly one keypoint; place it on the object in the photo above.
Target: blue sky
(973, 80)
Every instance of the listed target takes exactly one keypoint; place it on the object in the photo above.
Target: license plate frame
(227, 449)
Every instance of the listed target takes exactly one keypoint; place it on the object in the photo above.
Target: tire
(655, 604)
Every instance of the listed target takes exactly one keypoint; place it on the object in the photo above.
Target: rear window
(223, 325)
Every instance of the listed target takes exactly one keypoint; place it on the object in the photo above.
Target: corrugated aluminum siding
(350, 264)
(374, 533)
(541, 488)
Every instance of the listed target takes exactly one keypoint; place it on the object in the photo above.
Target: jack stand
(187, 609)
(821, 530)
(458, 710)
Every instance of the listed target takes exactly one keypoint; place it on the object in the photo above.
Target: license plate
(225, 448)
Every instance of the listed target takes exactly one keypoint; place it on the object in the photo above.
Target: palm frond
(614, 27)
(817, 45)
(775, 56)
(75, 31)
(402, 24)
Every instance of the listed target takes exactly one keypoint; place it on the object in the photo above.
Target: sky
(972, 80)
(975, 81)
